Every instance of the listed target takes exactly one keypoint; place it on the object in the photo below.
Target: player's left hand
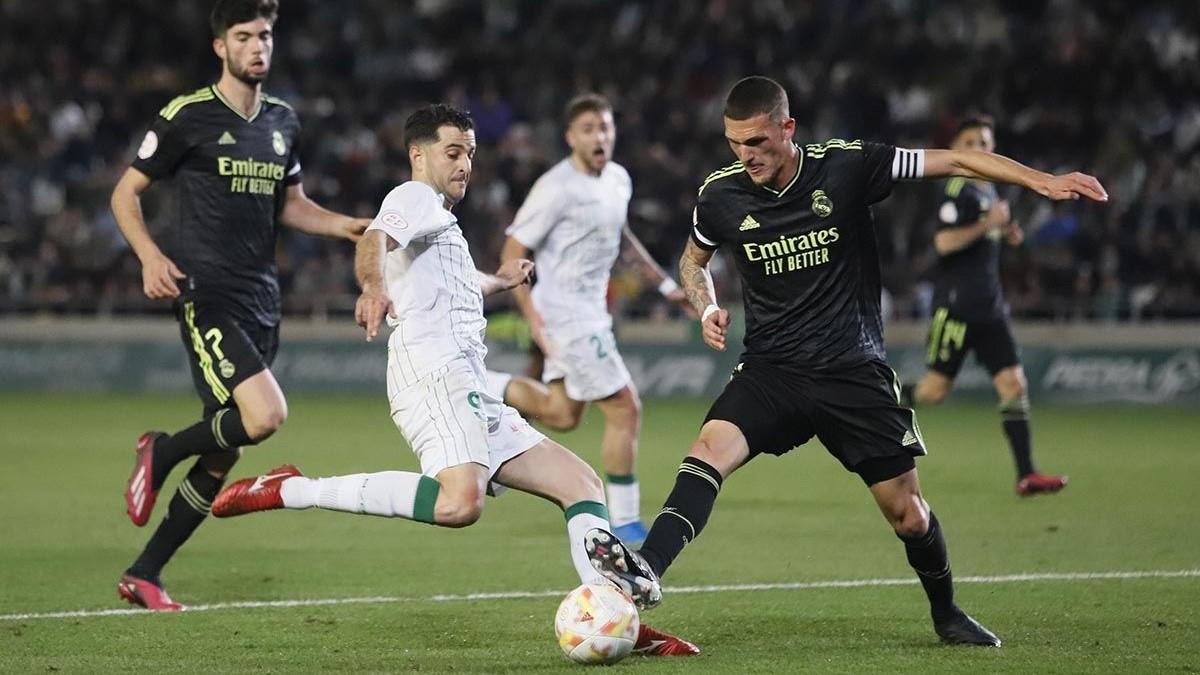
(515, 272)
(356, 227)
(1072, 186)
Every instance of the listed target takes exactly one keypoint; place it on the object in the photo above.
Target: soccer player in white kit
(415, 269)
(574, 219)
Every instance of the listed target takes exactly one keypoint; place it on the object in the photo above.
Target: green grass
(1131, 505)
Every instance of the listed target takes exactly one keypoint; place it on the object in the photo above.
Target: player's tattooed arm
(698, 284)
(634, 250)
(693, 273)
(373, 303)
(1001, 169)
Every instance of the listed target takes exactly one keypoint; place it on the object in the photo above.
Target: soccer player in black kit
(970, 313)
(231, 154)
(797, 221)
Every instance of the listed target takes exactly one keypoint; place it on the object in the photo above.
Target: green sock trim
(595, 508)
(427, 492)
(627, 479)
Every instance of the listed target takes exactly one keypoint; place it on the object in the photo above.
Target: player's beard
(246, 77)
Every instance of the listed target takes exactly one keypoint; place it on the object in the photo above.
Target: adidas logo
(909, 438)
(226, 139)
(748, 224)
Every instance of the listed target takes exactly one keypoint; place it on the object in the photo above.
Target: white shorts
(449, 419)
(587, 362)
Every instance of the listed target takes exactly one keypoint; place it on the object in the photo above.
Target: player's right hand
(714, 328)
(158, 278)
(372, 305)
(1072, 186)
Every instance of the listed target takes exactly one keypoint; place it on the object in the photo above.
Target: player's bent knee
(262, 424)
(460, 511)
(911, 519)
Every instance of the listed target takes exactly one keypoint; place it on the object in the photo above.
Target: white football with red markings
(596, 624)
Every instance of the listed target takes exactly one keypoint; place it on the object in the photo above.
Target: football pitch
(796, 572)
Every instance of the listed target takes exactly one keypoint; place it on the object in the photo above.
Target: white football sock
(582, 517)
(624, 501)
(392, 494)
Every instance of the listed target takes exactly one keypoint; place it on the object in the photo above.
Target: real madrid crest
(822, 205)
(227, 368)
(278, 143)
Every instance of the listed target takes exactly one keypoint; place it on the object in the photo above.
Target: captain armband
(908, 164)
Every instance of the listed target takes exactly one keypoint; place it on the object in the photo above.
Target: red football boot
(147, 594)
(248, 495)
(139, 497)
(1040, 483)
(651, 642)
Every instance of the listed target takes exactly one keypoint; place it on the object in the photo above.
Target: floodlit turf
(1131, 506)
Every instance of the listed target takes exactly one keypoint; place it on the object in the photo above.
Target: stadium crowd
(1108, 87)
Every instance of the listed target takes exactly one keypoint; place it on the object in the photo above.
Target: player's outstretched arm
(657, 275)
(158, 271)
(305, 215)
(512, 274)
(1001, 169)
(698, 285)
(373, 303)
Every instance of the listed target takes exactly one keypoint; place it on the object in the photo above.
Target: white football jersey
(573, 221)
(432, 282)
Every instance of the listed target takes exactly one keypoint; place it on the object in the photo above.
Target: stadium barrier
(1074, 363)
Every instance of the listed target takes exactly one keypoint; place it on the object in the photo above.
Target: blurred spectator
(1108, 87)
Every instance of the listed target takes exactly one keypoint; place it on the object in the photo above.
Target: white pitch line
(518, 595)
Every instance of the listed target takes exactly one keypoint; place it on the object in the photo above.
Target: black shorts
(223, 350)
(951, 338)
(855, 412)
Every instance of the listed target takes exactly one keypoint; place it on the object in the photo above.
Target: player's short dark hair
(226, 13)
(585, 103)
(756, 95)
(975, 120)
(423, 124)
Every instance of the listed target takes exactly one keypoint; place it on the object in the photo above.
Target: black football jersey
(967, 281)
(807, 254)
(229, 174)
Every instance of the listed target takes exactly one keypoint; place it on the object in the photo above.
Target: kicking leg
(554, 473)
(548, 404)
(453, 499)
(900, 500)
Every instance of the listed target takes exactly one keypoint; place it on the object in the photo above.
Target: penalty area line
(671, 590)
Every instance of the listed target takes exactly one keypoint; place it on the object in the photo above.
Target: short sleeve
(702, 231)
(959, 207)
(411, 211)
(877, 170)
(294, 174)
(162, 148)
(537, 216)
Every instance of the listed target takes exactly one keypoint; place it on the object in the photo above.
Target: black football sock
(1015, 418)
(683, 515)
(908, 396)
(188, 508)
(222, 431)
(927, 555)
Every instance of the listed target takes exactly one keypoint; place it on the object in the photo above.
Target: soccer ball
(596, 624)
